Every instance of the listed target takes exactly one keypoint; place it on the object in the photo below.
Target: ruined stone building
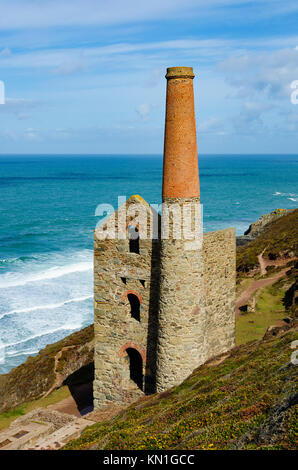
(163, 305)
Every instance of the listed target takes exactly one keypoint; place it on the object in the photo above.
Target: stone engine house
(163, 306)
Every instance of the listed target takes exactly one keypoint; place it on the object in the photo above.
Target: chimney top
(179, 72)
(180, 169)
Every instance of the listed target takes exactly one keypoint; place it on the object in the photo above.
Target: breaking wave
(46, 333)
(13, 280)
(46, 307)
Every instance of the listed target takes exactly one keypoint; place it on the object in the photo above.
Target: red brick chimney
(180, 172)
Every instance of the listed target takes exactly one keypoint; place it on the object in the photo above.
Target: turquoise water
(47, 207)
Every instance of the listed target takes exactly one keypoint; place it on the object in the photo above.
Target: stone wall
(220, 282)
(181, 332)
(187, 303)
(117, 273)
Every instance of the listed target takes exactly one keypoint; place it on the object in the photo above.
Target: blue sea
(47, 218)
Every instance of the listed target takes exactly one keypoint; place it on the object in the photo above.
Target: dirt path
(58, 379)
(245, 296)
(254, 285)
(67, 405)
(262, 263)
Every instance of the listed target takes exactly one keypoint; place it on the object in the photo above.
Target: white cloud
(5, 52)
(10, 135)
(261, 84)
(129, 56)
(32, 134)
(59, 58)
(51, 13)
(69, 67)
(143, 111)
(18, 106)
(268, 75)
(33, 14)
(22, 116)
(103, 138)
(212, 125)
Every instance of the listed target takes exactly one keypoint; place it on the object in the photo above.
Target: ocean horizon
(47, 218)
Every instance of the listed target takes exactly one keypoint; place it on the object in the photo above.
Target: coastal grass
(251, 326)
(270, 299)
(8, 417)
(242, 283)
(226, 405)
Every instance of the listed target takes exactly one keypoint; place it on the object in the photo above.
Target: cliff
(277, 239)
(41, 374)
(245, 399)
(256, 228)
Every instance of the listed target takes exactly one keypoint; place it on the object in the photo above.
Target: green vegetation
(9, 416)
(234, 404)
(273, 303)
(269, 308)
(242, 283)
(280, 236)
(270, 299)
(13, 413)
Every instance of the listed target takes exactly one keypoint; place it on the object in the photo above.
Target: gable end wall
(220, 281)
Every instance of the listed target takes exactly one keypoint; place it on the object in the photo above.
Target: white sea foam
(45, 333)
(14, 280)
(43, 300)
(46, 307)
(288, 195)
(21, 353)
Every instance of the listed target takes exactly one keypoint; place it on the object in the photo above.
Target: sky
(88, 76)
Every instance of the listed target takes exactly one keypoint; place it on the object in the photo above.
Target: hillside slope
(247, 400)
(37, 376)
(279, 239)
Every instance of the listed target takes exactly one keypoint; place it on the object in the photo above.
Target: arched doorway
(135, 367)
(134, 239)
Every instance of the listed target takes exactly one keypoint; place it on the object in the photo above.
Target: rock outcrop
(256, 228)
(275, 239)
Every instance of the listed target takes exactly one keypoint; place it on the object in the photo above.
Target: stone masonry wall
(117, 272)
(220, 282)
(194, 292)
(181, 332)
